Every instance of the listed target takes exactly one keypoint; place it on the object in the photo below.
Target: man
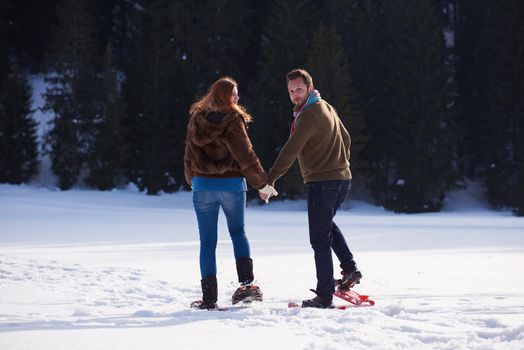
(321, 142)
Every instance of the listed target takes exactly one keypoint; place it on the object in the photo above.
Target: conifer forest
(431, 91)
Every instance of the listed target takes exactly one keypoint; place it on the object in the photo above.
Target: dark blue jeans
(324, 199)
(207, 205)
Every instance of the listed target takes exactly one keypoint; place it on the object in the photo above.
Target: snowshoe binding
(318, 302)
(246, 294)
(348, 280)
(199, 304)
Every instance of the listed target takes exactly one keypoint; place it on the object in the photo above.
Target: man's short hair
(300, 73)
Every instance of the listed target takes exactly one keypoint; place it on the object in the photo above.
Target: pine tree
(18, 145)
(491, 90)
(113, 24)
(73, 94)
(343, 14)
(5, 6)
(519, 195)
(471, 84)
(106, 159)
(503, 67)
(213, 36)
(286, 40)
(177, 50)
(424, 166)
(134, 71)
(155, 130)
(329, 65)
(364, 36)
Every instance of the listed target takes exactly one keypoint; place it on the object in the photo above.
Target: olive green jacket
(320, 142)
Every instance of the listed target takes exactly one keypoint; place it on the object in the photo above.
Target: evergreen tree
(446, 9)
(418, 83)
(113, 24)
(63, 147)
(491, 90)
(177, 50)
(134, 72)
(5, 7)
(503, 66)
(73, 94)
(519, 198)
(212, 39)
(471, 84)
(343, 14)
(329, 65)
(365, 37)
(286, 40)
(154, 128)
(212, 36)
(106, 159)
(154, 156)
(18, 145)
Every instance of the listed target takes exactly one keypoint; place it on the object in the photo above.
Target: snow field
(90, 270)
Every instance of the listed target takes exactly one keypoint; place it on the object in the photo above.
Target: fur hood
(204, 131)
(217, 145)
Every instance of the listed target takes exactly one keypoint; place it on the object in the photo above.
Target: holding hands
(267, 192)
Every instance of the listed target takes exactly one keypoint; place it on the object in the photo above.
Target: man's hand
(267, 192)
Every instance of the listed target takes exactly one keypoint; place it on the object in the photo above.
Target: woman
(217, 160)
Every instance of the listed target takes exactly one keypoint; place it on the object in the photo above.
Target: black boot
(245, 270)
(246, 292)
(209, 294)
(319, 302)
(350, 277)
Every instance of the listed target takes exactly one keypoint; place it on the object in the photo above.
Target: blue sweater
(231, 184)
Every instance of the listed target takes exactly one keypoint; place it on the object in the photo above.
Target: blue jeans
(207, 205)
(324, 199)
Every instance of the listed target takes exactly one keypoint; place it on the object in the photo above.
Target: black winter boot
(246, 292)
(318, 302)
(245, 270)
(348, 280)
(209, 294)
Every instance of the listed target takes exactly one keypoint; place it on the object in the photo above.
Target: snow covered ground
(92, 270)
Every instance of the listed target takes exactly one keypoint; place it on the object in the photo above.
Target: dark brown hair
(218, 98)
(300, 73)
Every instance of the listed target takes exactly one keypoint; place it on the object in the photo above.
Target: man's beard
(301, 102)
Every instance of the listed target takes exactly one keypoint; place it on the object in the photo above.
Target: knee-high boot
(209, 292)
(246, 292)
(245, 270)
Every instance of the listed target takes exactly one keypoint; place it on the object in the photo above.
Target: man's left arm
(345, 136)
(304, 129)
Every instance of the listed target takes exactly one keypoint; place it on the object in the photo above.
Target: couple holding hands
(219, 158)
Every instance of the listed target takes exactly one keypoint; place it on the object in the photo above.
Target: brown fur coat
(217, 145)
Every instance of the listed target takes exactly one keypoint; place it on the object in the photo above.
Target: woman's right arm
(188, 172)
(240, 147)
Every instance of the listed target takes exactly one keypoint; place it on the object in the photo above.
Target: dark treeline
(432, 91)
